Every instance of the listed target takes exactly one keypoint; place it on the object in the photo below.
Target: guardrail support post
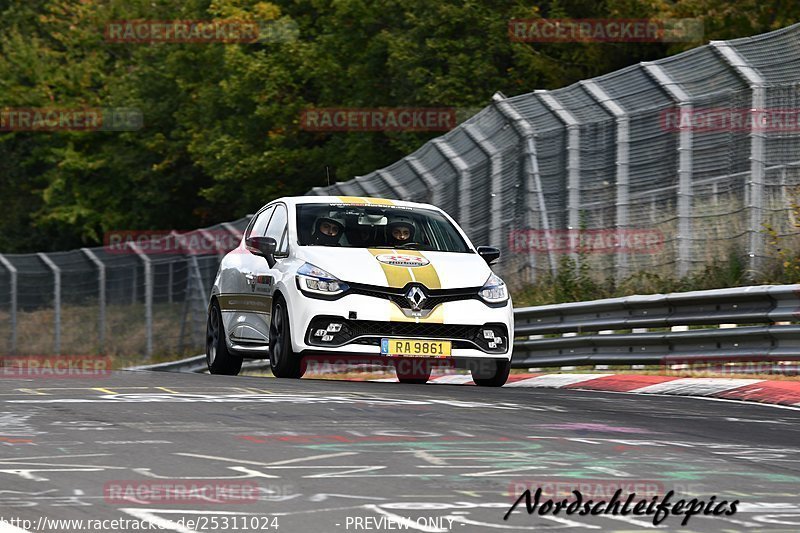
(101, 299)
(56, 301)
(685, 140)
(755, 185)
(12, 304)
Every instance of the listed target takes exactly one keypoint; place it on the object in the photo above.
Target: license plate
(415, 348)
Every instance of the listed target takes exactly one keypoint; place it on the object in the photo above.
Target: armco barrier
(765, 320)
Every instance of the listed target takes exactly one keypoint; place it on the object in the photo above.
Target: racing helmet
(401, 222)
(331, 221)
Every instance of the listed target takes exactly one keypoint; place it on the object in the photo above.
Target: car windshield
(377, 226)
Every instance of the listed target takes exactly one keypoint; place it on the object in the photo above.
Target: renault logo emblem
(416, 298)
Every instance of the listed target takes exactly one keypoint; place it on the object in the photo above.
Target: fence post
(534, 179)
(425, 175)
(464, 194)
(368, 186)
(685, 141)
(573, 156)
(494, 156)
(209, 236)
(12, 311)
(101, 280)
(400, 192)
(170, 278)
(148, 297)
(623, 166)
(56, 300)
(755, 186)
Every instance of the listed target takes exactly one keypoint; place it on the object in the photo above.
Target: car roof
(352, 200)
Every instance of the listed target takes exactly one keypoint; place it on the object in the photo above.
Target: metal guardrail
(758, 327)
(617, 330)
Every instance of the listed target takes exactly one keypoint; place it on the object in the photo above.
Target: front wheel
(284, 362)
(491, 373)
(218, 358)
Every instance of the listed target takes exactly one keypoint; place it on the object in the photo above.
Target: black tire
(494, 376)
(284, 362)
(218, 358)
(412, 371)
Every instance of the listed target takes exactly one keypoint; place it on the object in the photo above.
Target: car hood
(396, 268)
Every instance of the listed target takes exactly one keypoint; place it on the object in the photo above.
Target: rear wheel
(284, 362)
(219, 359)
(415, 371)
(491, 373)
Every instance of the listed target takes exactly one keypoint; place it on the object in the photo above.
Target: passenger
(327, 232)
(400, 230)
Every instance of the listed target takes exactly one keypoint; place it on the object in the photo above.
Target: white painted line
(795, 407)
(696, 386)
(555, 380)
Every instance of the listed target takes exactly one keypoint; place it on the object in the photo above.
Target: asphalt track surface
(334, 456)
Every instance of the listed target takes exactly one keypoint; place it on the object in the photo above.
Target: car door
(246, 303)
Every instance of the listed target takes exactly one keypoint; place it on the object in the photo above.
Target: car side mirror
(263, 246)
(490, 254)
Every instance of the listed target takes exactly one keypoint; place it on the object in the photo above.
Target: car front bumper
(365, 320)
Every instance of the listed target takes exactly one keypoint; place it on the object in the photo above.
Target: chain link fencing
(660, 167)
(650, 168)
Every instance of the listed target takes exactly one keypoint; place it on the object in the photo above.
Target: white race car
(359, 277)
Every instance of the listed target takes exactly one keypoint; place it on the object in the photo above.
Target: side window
(278, 224)
(258, 227)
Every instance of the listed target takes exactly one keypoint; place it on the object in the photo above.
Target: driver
(327, 231)
(400, 230)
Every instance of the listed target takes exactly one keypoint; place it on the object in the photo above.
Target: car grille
(398, 296)
(370, 332)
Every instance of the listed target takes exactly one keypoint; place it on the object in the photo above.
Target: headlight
(494, 290)
(313, 279)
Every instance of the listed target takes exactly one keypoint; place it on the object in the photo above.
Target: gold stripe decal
(396, 276)
(427, 274)
(399, 276)
(364, 200)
